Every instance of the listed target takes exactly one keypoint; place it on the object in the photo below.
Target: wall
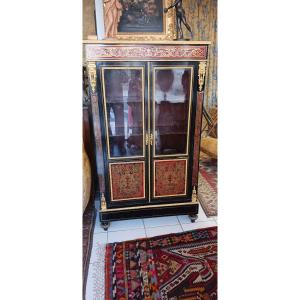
(202, 16)
(88, 20)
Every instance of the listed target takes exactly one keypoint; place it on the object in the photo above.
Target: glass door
(147, 123)
(124, 115)
(171, 114)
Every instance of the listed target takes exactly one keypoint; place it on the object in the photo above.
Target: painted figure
(180, 18)
(112, 15)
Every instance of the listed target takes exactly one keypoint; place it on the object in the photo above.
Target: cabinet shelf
(122, 135)
(123, 103)
(172, 133)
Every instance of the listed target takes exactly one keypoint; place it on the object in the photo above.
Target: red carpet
(175, 266)
(208, 177)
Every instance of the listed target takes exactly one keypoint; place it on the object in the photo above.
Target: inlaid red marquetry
(141, 52)
(127, 180)
(197, 139)
(170, 177)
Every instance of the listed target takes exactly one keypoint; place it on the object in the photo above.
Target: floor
(133, 229)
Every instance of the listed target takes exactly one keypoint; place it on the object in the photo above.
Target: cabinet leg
(105, 225)
(193, 218)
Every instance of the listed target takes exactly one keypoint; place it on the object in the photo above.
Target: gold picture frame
(168, 32)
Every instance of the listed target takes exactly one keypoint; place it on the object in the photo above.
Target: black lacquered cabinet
(147, 106)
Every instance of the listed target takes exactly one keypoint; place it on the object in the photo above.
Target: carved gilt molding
(194, 195)
(91, 66)
(202, 70)
(168, 34)
(103, 203)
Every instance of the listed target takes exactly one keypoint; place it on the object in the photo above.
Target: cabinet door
(173, 90)
(124, 115)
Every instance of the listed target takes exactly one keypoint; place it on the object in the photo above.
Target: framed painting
(143, 20)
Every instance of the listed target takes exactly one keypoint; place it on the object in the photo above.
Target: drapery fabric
(202, 17)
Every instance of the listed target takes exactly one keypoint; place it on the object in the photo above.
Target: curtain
(202, 17)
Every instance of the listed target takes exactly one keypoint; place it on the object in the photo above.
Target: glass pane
(172, 98)
(124, 111)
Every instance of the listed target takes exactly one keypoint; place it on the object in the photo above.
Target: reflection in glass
(124, 107)
(172, 94)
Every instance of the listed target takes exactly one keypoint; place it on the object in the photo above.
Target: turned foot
(193, 218)
(105, 225)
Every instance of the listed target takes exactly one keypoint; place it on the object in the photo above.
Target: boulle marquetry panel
(127, 180)
(170, 178)
(147, 105)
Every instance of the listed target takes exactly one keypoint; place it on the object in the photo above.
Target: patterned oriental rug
(177, 266)
(88, 224)
(208, 182)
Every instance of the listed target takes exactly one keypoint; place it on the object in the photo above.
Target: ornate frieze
(145, 52)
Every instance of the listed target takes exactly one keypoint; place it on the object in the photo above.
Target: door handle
(147, 139)
(151, 139)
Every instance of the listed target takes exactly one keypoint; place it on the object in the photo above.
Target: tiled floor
(140, 228)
